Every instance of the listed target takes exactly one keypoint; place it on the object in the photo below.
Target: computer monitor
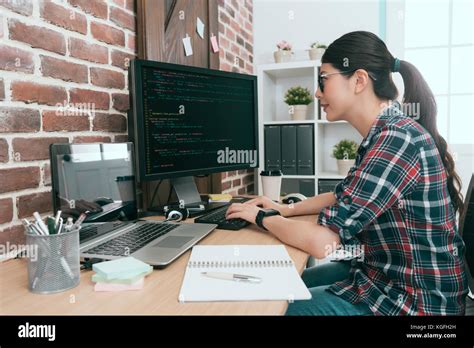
(189, 121)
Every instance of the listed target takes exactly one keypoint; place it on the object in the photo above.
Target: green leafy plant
(318, 45)
(345, 149)
(298, 96)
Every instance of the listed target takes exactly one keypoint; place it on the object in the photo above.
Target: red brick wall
(75, 53)
(236, 54)
(69, 53)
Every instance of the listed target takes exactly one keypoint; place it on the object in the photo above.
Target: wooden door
(161, 26)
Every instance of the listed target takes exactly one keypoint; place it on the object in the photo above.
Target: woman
(398, 202)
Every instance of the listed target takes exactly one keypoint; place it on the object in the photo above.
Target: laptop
(98, 179)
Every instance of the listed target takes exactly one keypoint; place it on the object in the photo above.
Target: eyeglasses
(321, 77)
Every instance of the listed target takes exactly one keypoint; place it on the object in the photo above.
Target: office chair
(466, 230)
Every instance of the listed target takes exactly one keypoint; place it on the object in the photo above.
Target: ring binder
(250, 263)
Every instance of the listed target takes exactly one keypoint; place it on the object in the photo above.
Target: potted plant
(345, 153)
(284, 52)
(298, 99)
(316, 51)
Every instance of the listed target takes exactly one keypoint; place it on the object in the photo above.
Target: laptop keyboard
(89, 231)
(131, 241)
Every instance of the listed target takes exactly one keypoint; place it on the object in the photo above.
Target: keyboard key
(132, 240)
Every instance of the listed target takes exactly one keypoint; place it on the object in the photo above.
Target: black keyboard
(217, 216)
(129, 242)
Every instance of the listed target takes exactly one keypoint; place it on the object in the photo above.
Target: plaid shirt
(394, 204)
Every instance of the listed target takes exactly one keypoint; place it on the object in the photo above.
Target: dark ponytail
(418, 91)
(365, 50)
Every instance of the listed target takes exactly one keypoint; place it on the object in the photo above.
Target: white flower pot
(298, 112)
(282, 56)
(316, 53)
(343, 166)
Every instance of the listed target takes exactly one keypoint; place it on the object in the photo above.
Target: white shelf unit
(273, 81)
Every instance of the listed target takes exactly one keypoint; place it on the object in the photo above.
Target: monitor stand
(189, 197)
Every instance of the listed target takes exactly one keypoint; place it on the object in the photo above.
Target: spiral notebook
(279, 277)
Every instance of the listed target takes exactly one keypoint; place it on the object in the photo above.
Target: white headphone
(176, 214)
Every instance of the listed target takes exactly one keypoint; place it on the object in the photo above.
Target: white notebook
(271, 263)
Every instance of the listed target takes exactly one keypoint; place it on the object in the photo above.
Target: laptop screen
(96, 179)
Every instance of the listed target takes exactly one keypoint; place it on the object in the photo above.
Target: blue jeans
(323, 302)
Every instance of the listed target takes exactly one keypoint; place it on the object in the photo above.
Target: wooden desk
(158, 297)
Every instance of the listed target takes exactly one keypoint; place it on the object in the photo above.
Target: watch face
(270, 212)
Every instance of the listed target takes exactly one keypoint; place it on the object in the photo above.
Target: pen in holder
(56, 266)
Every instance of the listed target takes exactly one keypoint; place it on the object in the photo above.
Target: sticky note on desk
(124, 268)
(138, 285)
(97, 278)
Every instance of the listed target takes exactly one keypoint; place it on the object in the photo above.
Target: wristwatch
(263, 213)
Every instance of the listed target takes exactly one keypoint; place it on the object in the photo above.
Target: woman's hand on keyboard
(267, 203)
(242, 211)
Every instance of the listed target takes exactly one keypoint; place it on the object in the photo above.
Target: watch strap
(264, 213)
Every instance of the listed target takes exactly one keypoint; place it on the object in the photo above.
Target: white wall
(302, 22)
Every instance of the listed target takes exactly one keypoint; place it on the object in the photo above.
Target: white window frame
(396, 43)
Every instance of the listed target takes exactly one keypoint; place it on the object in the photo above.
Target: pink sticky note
(215, 46)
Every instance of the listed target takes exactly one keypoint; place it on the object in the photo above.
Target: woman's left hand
(243, 211)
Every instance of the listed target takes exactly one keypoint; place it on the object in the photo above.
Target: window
(439, 41)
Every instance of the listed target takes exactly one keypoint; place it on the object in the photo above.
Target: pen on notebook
(232, 276)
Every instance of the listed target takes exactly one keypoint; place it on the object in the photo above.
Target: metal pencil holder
(56, 266)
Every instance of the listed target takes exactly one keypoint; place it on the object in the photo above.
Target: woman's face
(338, 95)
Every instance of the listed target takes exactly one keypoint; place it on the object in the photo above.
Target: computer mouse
(103, 201)
(293, 198)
